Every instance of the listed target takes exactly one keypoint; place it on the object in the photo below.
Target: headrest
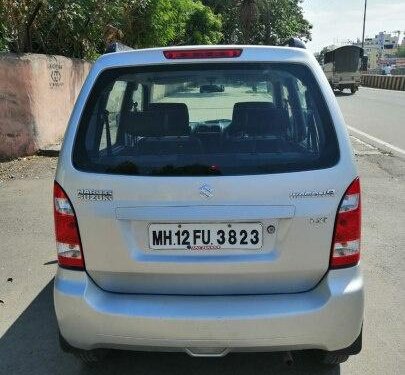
(144, 124)
(176, 118)
(241, 107)
(255, 118)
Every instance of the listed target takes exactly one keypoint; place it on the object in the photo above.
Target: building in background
(382, 51)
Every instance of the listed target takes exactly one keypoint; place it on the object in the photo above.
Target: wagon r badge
(206, 191)
(313, 194)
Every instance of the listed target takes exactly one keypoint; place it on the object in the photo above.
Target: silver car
(208, 221)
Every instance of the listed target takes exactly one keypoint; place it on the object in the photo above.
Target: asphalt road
(28, 340)
(379, 113)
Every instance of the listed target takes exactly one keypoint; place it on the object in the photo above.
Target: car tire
(339, 356)
(90, 357)
(64, 345)
(332, 359)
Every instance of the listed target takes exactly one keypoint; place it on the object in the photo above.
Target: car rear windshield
(211, 119)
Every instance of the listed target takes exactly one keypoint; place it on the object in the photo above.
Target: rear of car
(207, 201)
(342, 67)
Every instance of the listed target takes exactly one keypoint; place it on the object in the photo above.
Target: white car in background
(208, 222)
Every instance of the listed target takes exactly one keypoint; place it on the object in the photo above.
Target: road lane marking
(378, 141)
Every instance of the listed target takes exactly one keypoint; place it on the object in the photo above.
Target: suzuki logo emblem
(206, 191)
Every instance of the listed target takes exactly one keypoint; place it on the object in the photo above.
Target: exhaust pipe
(288, 359)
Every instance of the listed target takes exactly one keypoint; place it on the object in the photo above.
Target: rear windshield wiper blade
(126, 167)
(187, 170)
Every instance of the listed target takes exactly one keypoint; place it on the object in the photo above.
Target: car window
(302, 90)
(137, 98)
(212, 119)
(111, 113)
(213, 103)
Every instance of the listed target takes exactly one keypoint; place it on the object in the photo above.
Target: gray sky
(338, 20)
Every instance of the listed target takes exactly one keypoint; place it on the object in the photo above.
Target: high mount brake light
(346, 240)
(67, 235)
(203, 53)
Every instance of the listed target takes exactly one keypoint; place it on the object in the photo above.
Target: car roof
(250, 53)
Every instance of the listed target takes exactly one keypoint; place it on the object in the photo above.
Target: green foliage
(283, 19)
(321, 54)
(261, 21)
(3, 29)
(401, 51)
(79, 28)
(170, 22)
(71, 28)
(203, 27)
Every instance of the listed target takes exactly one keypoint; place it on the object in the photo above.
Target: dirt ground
(32, 167)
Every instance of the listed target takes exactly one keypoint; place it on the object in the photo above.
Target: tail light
(346, 240)
(68, 242)
(207, 53)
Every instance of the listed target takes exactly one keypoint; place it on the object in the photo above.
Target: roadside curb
(378, 143)
(51, 150)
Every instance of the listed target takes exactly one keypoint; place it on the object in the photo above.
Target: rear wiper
(187, 170)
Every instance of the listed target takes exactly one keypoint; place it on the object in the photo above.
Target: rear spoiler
(119, 47)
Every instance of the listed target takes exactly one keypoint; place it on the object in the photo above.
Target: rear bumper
(346, 84)
(329, 317)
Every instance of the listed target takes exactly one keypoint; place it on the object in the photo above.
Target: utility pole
(364, 23)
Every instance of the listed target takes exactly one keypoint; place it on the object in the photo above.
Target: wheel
(342, 355)
(332, 359)
(353, 89)
(64, 345)
(90, 357)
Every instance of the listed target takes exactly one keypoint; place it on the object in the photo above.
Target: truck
(342, 67)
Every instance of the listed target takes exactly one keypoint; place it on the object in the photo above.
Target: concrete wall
(383, 82)
(37, 94)
(161, 91)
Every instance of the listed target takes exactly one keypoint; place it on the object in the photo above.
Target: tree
(16, 20)
(249, 19)
(78, 28)
(281, 20)
(203, 27)
(171, 22)
(70, 28)
(321, 55)
(261, 21)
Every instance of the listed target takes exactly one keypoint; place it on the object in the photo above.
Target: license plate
(215, 236)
